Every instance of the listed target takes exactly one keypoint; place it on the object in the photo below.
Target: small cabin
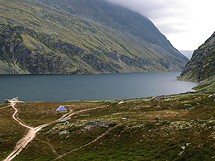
(61, 109)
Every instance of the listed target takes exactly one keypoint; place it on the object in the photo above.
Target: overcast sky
(186, 23)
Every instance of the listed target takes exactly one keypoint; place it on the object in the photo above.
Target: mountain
(202, 64)
(80, 36)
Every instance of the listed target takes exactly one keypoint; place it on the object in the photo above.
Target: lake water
(84, 87)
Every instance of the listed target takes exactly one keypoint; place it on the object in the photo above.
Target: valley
(174, 127)
(58, 45)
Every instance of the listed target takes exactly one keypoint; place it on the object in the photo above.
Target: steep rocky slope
(87, 36)
(202, 64)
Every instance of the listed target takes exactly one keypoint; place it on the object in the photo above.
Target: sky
(186, 23)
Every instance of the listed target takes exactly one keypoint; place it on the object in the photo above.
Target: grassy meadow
(175, 127)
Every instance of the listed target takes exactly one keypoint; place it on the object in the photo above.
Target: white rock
(64, 132)
(121, 102)
(183, 147)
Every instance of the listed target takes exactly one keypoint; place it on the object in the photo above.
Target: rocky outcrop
(202, 64)
(98, 123)
(77, 37)
(13, 51)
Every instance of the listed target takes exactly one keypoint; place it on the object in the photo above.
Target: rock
(211, 96)
(85, 40)
(121, 102)
(202, 64)
(98, 123)
(183, 147)
(187, 144)
(180, 154)
(64, 132)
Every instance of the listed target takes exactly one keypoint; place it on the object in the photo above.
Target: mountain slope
(87, 36)
(202, 64)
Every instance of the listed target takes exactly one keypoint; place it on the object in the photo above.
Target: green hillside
(177, 127)
(201, 67)
(87, 36)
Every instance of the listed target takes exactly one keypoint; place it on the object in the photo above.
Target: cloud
(161, 12)
(186, 23)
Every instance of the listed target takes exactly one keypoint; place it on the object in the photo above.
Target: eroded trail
(32, 131)
(21, 144)
(93, 141)
(71, 113)
(4, 107)
(12, 104)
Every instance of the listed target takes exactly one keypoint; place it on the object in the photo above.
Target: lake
(57, 88)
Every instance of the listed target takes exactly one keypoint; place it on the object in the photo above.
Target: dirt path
(95, 140)
(16, 118)
(71, 113)
(31, 134)
(21, 144)
(51, 147)
(4, 107)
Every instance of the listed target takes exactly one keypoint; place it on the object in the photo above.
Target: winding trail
(4, 107)
(93, 141)
(71, 113)
(21, 144)
(32, 131)
(51, 147)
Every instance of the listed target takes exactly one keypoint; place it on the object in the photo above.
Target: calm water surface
(82, 87)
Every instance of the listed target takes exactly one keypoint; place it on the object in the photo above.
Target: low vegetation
(10, 132)
(176, 127)
(201, 67)
(54, 38)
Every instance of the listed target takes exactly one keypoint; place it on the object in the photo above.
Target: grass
(46, 111)
(176, 127)
(206, 87)
(10, 131)
(48, 25)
